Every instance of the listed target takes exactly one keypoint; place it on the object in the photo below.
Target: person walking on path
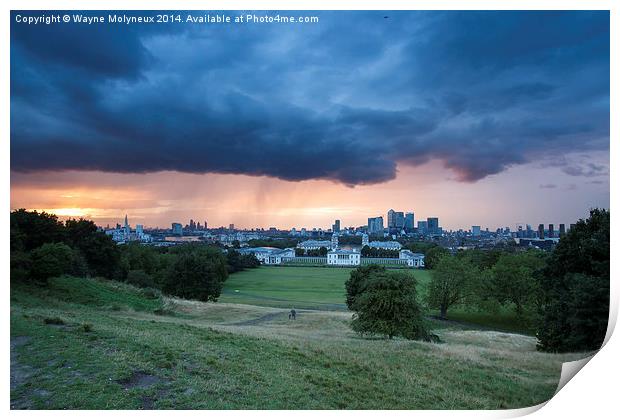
(291, 315)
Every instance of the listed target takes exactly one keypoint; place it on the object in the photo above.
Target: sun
(68, 212)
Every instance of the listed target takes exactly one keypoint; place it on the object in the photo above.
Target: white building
(413, 259)
(393, 245)
(268, 255)
(312, 244)
(343, 257)
(125, 234)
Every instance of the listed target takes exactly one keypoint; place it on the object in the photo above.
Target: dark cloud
(347, 99)
(548, 186)
(586, 170)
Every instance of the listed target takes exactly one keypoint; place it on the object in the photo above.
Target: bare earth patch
(140, 380)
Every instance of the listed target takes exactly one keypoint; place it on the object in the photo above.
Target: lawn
(71, 347)
(288, 287)
(323, 288)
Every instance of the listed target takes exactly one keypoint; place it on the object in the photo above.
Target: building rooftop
(344, 252)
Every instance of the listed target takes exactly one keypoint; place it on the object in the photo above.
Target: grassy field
(100, 345)
(323, 288)
(287, 287)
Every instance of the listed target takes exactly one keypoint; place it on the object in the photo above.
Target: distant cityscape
(401, 227)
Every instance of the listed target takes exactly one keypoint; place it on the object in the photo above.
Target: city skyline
(318, 122)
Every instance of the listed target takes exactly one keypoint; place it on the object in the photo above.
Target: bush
(151, 293)
(388, 306)
(86, 327)
(51, 260)
(54, 321)
(139, 278)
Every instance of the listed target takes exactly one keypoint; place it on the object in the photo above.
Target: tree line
(563, 294)
(43, 247)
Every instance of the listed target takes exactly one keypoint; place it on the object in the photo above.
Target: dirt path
(268, 317)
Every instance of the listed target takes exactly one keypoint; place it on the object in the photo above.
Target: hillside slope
(98, 345)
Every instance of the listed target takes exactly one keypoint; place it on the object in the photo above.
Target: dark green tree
(388, 307)
(30, 229)
(433, 255)
(51, 260)
(514, 280)
(197, 273)
(101, 253)
(453, 282)
(357, 281)
(574, 304)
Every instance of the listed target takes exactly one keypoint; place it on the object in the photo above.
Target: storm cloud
(346, 99)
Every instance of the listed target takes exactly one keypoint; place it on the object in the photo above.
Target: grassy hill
(84, 343)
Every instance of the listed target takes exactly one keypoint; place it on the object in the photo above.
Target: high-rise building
(433, 225)
(336, 226)
(391, 218)
(551, 231)
(541, 231)
(139, 229)
(422, 227)
(205, 224)
(365, 240)
(177, 229)
(396, 219)
(475, 230)
(231, 226)
(562, 229)
(375, 225)
(409, 221)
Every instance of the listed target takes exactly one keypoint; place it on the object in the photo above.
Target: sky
(475, 117)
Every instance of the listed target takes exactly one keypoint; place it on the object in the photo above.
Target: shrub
(151, 293)
(54, 321)
(51, 260)
(139, 278)
(86, 327)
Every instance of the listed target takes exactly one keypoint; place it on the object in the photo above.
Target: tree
(30, 229)
(433, 255)
(356, 283)
(101, 253)
(483, 259)
(51, 260)
(388, 306)
(453, 282)
(198, 273)
(574, 304)
(514, 279)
